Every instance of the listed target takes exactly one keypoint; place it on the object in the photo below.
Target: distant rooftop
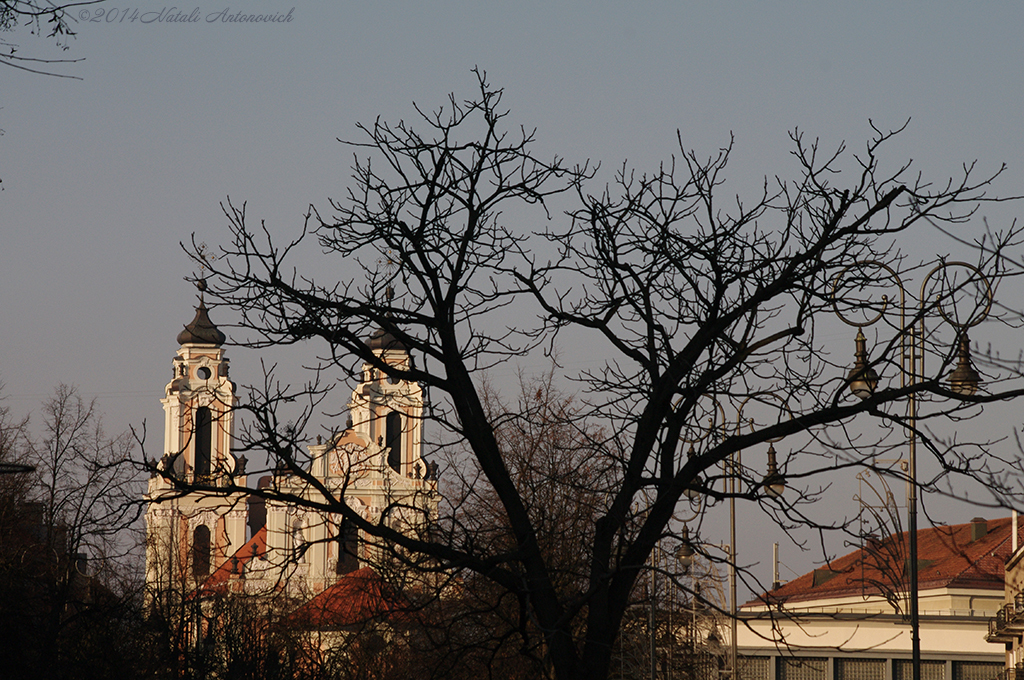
(970, 556)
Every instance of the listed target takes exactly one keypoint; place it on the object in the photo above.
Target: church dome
(201, 331)
(381, 339)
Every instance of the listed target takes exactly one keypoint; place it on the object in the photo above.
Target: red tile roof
(357, 598)
(947, 558)
(238, 564)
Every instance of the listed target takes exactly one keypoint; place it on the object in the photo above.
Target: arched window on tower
(393, 440)
(348, 547)
(203, 441)
(201, 552)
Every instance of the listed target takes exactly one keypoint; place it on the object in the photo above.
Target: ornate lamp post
(964, 380)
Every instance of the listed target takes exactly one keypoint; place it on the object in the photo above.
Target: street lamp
(774, 483)
(685, 552)
(964, 381)
(685, 557)
(863, 378)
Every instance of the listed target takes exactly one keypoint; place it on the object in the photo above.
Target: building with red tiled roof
(355, 600)
(299, 543)
(845, 619)
(1006, 628)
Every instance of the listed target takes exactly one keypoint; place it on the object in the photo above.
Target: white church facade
(212, 536)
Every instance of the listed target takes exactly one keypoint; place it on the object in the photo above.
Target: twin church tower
(206, 536)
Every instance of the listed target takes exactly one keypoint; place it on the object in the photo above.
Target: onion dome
(201, 331)
(383, 340)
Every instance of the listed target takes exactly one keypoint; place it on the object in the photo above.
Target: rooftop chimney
(979, 528)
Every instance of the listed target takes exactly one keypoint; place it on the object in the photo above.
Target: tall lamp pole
(773, 485)
(964, 380)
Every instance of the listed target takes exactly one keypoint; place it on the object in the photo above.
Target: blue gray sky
(104, 176)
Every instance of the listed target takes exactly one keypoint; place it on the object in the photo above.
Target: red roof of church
(239, 563)
(358, 597)
(947, 558)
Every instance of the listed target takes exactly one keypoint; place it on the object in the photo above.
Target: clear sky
(104, 176)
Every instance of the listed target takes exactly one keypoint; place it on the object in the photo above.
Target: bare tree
(700, 308)
(70, 578)
(15, 486)
(477, 629)
(39, 17)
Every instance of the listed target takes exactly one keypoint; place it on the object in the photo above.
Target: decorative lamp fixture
(774, 482)
(863, 379)
(964, 380)
(692, 491)
(685, 552)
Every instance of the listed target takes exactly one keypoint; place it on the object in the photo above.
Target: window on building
(201, 552)
(975, 670)
(930, 670)
(203, 441)
(393, 440)
(802, 668)
(860, 669)
(755, 667)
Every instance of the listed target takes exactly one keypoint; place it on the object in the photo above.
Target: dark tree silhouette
(68, 599)
(699, 306)
(39, 18)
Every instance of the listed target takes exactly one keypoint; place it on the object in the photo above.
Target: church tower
(188, 535)
(389, 412)
(375, 464)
